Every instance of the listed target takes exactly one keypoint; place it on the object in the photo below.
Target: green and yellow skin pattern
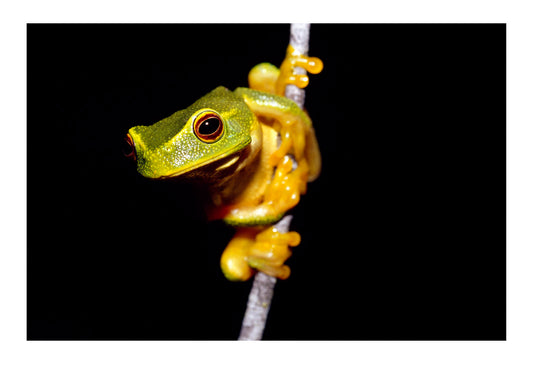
(253, 150)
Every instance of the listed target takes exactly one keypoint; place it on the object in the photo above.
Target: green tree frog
(253, 149)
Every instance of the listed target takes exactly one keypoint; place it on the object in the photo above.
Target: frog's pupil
(209, 126)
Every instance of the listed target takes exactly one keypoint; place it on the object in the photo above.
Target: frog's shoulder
(268, 104)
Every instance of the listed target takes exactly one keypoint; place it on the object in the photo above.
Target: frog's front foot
(263, 249)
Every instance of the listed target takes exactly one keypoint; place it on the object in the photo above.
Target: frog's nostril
(129, 148)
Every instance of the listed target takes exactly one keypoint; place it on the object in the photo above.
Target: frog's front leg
(292, 123)
(280, 195)
(264, 249)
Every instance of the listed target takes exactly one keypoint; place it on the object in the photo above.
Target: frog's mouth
(220, 162)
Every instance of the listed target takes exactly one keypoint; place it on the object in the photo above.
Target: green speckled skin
(170, 147)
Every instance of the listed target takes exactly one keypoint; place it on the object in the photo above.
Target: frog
(252, 151)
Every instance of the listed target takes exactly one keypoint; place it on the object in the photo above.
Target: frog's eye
(208, 126)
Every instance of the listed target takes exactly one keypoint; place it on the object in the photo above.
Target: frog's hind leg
(260, 248)
(271, 79)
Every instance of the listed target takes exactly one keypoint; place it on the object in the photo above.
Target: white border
(21, 358)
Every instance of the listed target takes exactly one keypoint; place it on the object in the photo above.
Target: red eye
(129, 148)
(208, 126)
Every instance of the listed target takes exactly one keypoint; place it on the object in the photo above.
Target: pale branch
(260, 297)
(254, 321)
(300, 42)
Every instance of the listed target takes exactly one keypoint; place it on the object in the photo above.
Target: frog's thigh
(263, 77)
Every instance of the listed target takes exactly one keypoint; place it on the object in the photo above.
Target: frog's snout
(129, 147)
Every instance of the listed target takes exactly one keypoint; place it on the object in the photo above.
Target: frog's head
(215, 127)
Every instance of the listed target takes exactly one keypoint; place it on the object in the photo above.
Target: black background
(403, 235)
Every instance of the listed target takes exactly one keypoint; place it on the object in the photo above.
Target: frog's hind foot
(271, 250)
(262, 249)
(268, 78)
(288, 75)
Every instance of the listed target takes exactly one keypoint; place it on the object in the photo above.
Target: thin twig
(300, 42)
(260, 297)
(253, 323)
